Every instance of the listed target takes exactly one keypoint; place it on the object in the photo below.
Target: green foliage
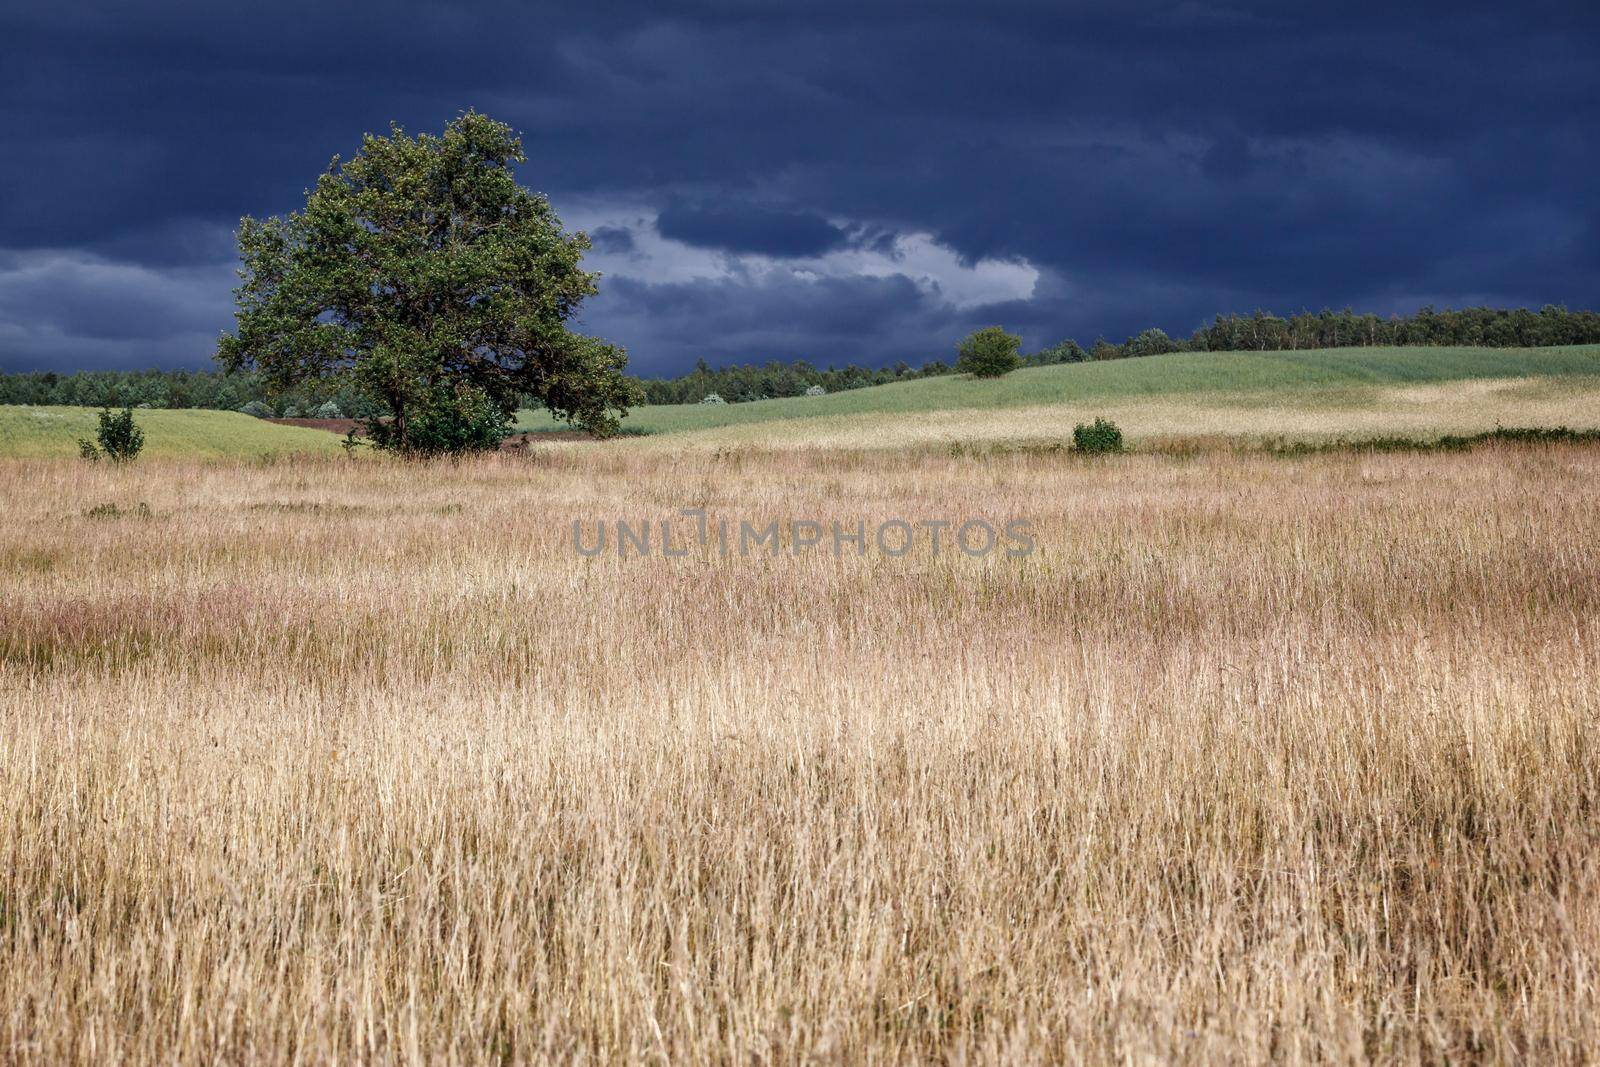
(1104, 350)
(989, 353)
(1152, 342)
(1100, 436)
(712, 398)
(329, 410)
(424, 277)
(816, 390)
(1483, 327)
(445, 422)
(119, 436)
(1067, 351)
(256, 409)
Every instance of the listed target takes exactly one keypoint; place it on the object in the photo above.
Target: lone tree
(120, 438)
(424, 276)
(989, 353)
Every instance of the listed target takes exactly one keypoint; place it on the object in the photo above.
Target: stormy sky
(838, 181)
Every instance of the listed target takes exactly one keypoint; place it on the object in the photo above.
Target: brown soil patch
(338, 426)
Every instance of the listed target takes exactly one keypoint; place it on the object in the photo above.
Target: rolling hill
(45, 432)
(1237, 395)
(1250, 394)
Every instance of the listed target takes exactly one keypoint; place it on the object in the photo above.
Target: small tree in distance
(989, 353)
(119, 436)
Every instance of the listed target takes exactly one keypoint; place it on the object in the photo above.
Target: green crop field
(44, 432)
(1305, 394)
(1328, 378)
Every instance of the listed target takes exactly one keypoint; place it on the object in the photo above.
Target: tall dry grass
(1253, 759)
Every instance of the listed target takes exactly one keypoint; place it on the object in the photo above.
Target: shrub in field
(989, 353)
(292, 412)
(329, 410)
(713, 398)
(1100, 436)
(449, 422)
(119, 436)
(816, 390)
(257, 409)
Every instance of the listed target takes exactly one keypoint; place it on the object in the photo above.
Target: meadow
(44, 432)
(1244, 398)
(1241, 395)
(1253, 758)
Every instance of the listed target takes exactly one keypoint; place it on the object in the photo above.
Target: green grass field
(44, 432)
(1320, 378)
(1241, 396)
(1238, 395)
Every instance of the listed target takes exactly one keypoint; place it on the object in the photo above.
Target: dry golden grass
(1253, 759)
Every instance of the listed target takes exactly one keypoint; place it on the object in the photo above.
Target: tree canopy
(421, 273)
(989, 353)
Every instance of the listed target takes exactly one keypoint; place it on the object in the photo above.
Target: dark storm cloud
(612, 239)
(1156, 161)
(840, 321)
(748, 228)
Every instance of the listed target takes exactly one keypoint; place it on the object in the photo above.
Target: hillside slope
(1306, 393)
(44, 432)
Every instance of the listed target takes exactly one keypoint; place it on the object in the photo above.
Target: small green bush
(257, 410)
(329, 410)
(816, 390)
(120, 438)
(713, 398)
(1100, 436)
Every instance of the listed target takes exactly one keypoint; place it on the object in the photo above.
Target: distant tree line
(215, 390)
(1259, 331)
(737, 384)
(1472, 327)
(1262, 331)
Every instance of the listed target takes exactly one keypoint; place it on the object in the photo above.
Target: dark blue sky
(850, 181)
